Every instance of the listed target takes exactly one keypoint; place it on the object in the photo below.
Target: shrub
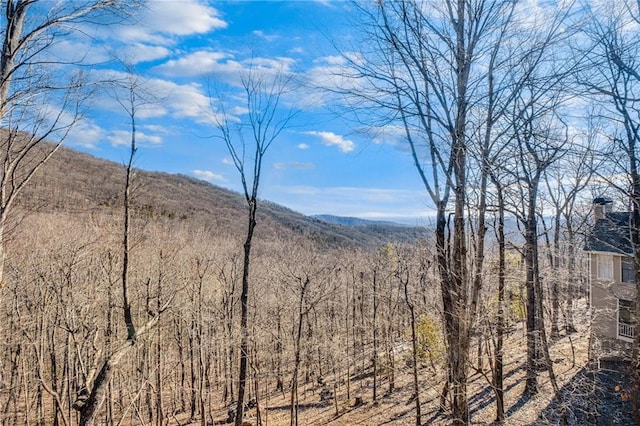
(429, 340)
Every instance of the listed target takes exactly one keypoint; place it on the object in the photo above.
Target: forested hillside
(134, 297)
(332, 307)
(77, 183)
(332, 317)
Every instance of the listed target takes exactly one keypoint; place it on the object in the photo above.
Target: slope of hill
(76, 182)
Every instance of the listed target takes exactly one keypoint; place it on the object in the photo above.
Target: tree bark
(244, 309)
(89, 411)
(404, 279)
(499, 351)
(375, 336)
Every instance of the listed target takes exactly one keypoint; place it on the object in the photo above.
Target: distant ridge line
(356, 221)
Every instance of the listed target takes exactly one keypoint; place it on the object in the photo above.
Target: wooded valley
(138, 297)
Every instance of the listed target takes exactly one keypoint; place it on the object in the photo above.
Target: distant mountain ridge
(356, 221)
(72, 182)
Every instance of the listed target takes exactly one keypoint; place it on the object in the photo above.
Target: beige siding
(604, 298)
(605, 320)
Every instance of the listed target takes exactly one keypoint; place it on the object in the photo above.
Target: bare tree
(302, 270)
(405, 274)
(36, 104)
(538, 144)
(442, 73)
(248, 138)
(498, 368)
(564, 181)
(93, 394)
(426, 71)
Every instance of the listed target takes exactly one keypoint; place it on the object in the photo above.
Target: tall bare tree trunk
(89, 409)
(159, 359)
(635, 240)
(499, 351)
(97, 386)
(404, 279)
(375, 335)
(459, 339)
(531, 387)
(265, 122)
(297, 349)
(244, 309)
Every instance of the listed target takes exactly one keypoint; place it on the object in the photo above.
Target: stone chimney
(601, 206)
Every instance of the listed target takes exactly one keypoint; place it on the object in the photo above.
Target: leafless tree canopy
(129, 297)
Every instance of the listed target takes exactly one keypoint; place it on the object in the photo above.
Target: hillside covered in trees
(137, 297)
(77, 183)
(332, 307)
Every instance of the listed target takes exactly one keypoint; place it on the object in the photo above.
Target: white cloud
(302, 146)
(89, 52)
(332, 60)
(266, 37)
(533, 14)
(224, 66)
(149, 34)
(173, 99)
(239, 110)
(331, 139)
(141, 52)
(346, 59)
(335, 75)
(64, 125)
(160, 20)
(208, 175)
(156, 128)
(391, 135)
(187, 101)
(123, 137)
(183, 17)
(196, 63)
(279, 63)
(228, 161)
(76, 51)
(86, 134)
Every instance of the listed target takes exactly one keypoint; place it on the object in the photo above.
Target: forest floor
(583, 397)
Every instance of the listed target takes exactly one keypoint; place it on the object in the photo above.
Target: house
(612, 287)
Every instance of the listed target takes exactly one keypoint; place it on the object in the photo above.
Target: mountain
(385, 230)
(355, 221)
(77, 183)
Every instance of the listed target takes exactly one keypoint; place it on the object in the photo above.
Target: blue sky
(322, 164)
